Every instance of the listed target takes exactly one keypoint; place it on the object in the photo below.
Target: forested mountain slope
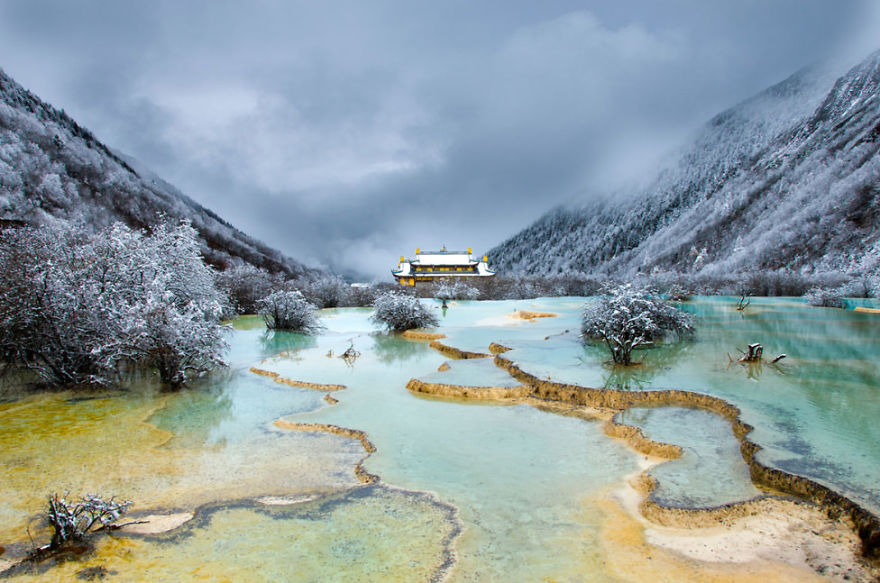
(53, 169)
(788, 179)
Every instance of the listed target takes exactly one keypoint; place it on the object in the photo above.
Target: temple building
(434, 265)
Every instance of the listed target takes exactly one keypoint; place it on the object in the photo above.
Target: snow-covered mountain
(787, 179)
(53, 169)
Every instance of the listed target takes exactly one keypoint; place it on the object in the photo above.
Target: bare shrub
(72, 520)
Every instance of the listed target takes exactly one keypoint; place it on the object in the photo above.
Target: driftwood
(743, 303)
(755, 353)
(350, 355)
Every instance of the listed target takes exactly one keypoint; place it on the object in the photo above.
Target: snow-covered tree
(861, 286)
(825, 298)
(81, 309)
(326, 291)
(245, 284)
(399, 312)
(361, 295)
(181, 307)
(626, 318)
(455, 290)
(288, 310)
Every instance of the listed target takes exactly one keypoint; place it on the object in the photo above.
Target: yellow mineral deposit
(295, 383)
(772, 540)
(456, 353)
(528, 315)
(422, 335)
(463, 392)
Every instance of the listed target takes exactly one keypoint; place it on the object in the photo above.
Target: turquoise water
(514, 492)
(515, 473)
(814, 412)
(476, 372)
(710, 471)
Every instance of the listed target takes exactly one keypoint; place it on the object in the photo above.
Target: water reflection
(654, 359)
(754, 370)
(626, 378)
(391, 348)
(194, 414)
(277, 341)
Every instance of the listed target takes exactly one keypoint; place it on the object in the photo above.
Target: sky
(348, 133)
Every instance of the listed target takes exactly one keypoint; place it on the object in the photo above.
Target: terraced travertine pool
(483, 484)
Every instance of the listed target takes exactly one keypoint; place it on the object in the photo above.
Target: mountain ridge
(792, 152)
(52, 168)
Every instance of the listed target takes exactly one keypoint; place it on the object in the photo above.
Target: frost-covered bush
(455, 290)
(518, 286)
(71, 520)
(859, 287)
(325, 292)
(181, 306)
(676, 293)
(825, 298)
(83, 308)
(781, 282)
(399, 312)
(361, 295)
(626, 318)
(288, 310)
(245, 284)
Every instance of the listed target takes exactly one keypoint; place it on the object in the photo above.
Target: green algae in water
(372, 534)
(164, 450)
(710, 472)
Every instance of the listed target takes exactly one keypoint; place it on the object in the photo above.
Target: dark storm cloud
(349, 133)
